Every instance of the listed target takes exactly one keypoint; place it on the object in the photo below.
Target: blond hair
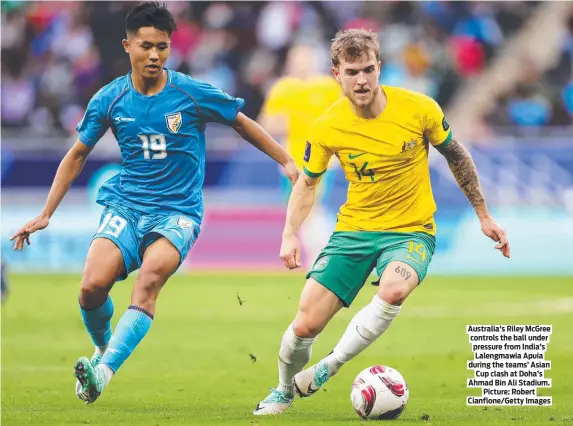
(350, 45)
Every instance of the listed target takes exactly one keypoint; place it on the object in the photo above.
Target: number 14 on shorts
(416, 252)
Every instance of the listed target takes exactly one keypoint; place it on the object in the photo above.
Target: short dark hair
(150, 14)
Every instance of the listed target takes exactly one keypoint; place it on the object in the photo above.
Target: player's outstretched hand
(496, 233)
(23, 234)
(290, 251)
(291, 171)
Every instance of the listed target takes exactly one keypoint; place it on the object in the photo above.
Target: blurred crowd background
(502, 71)
(56, 55)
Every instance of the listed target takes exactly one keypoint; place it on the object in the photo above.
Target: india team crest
(174, 122)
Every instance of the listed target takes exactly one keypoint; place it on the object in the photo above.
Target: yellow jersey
(385, 160)
(301, 102)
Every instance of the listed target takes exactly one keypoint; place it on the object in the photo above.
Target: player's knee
(149, 282)
(393, 293)
(306, 329)
(94, 289)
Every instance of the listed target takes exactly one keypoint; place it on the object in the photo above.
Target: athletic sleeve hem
(312, 174)
(446, 141)
(82, 138)
(240, 106)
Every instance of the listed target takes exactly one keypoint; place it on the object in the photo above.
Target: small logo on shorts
(185, 223)
(414, 259)
(321, 264)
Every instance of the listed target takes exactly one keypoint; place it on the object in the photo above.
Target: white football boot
(308, 381)
(274, 404)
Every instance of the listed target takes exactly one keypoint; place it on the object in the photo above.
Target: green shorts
(349, 257)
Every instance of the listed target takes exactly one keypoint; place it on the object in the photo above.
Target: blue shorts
(133, 232)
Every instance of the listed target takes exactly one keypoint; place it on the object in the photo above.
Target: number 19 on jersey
(154, 146)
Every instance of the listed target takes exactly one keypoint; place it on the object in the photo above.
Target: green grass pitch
(195, 368)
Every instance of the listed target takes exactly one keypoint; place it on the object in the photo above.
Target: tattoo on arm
(464, 170)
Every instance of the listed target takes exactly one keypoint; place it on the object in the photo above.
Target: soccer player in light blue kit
(154, 206)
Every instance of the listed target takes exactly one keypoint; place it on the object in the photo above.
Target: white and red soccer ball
(379, 393)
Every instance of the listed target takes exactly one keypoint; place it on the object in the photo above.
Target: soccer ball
(379, 393)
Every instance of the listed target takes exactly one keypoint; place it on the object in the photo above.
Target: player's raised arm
(68, 170)
(464, 170)
(253, 133)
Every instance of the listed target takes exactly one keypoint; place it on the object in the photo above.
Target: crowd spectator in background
(541, 99)
(56, 54)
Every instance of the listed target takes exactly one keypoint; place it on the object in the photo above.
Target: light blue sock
(98, 322)
(129, 331)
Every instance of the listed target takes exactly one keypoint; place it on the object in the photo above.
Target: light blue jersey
(161, 139)
(159, 190)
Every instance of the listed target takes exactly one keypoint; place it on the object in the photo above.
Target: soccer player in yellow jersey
(291, 106)
(296, 100)
(381, 136)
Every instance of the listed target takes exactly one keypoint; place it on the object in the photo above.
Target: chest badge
(409, 145)
(174, 122)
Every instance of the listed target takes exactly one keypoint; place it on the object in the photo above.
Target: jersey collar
(141, 95)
